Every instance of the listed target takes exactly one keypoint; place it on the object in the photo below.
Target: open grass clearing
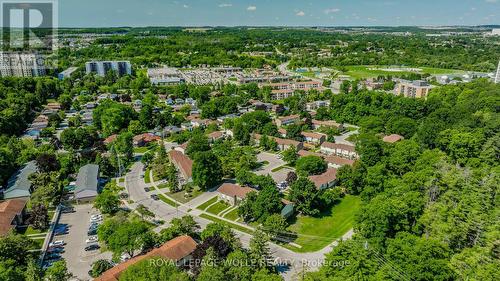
(218, 207)
(207, 203)
(315, 233)
(232, 225)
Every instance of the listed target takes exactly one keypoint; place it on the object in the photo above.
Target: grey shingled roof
(19, 184)
(86, 181)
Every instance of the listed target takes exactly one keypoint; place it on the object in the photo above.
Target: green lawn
(141, 149)
(31, 231)
(362, 71)
(168, 201)
(147, 178)
(38, 243)
(163, 186)
(181, 196)
(218, 207)
(232, 225)
(233, 215)
(315, 233)
(208, 203)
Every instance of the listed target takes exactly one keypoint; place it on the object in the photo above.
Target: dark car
(60, 232)
(68, 210)
(56, 250)
(92, 232)
(92, 247)
(52, 256)
(155, 197)
(146, 189)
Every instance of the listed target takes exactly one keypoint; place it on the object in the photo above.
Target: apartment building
(413, 89)
(339, 149)
(21, 65)
(497, 76)
(102, 67)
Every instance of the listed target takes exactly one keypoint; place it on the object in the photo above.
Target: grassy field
(207, 203)
(168, 201)
(363, 72)
(180, 196)
(315, 233)
(232, 225)
(143, 149)
(218, 207)
(233, 215)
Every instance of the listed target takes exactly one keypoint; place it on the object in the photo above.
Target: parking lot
(78, 260)
(274, 162)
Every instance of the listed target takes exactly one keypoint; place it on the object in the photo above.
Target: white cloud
(251, 8)
(332, 10)
(185, 6)
(300, 14)
(225, 5)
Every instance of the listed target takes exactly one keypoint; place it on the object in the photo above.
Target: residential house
(178, 250)
(392, 138)
(182, 148)
(40, 122)
(19, 185)
(217, 135)
(183, 164)
(317, 124)
(87, 183)
(12, 214)
(283, 144)
(233, 193)
(110, 139)
(170, 130)
(339, 149)
(312, 106)
(333, 161)
(326, 180)
(282, 132)
(287, 120)
(314, 138)
(145, 139)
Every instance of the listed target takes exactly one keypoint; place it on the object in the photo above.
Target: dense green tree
(305, 195)
(207, 170)
(99, 267)
(311, 165)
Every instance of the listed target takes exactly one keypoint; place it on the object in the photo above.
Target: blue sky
(102, 13)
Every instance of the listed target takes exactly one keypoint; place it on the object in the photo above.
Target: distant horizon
(290, 13)
(284, 26)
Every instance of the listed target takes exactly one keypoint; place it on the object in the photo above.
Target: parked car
(96, 217)
(124, 257)
(123, 195)
(92, 239)
(92, 247)
(67, 210)
(55, 250)
(146, 189)
(97, 220)
(92, 232)
(52, 256)
(57, 243)
(61, 232)
(155, 197)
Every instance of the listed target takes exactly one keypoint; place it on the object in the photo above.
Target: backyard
(315, 233)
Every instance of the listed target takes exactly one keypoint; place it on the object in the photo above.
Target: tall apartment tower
(102, 67)
(21, 65)
(497, 77)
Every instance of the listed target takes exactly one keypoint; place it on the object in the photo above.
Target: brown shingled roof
(392, 138)
(313, 135)
(182, 162)
(327, 177)
(279, 141)
(175, 249)
(332, 145)
(8, 211)
(110, 139)
(233, 190)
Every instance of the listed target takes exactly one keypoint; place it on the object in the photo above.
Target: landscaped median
(168, 200)
(232, 225)
(207, 203)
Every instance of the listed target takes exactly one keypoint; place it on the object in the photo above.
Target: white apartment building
(497, 76)
(165, 76)
(21, 65)
(102, 67)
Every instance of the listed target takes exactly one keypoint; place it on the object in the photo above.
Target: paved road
(135, 184)
(343, 138)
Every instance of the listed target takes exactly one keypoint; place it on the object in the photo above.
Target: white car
(57, 243)
(94, 217)
(124, 257)
(92, 239)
